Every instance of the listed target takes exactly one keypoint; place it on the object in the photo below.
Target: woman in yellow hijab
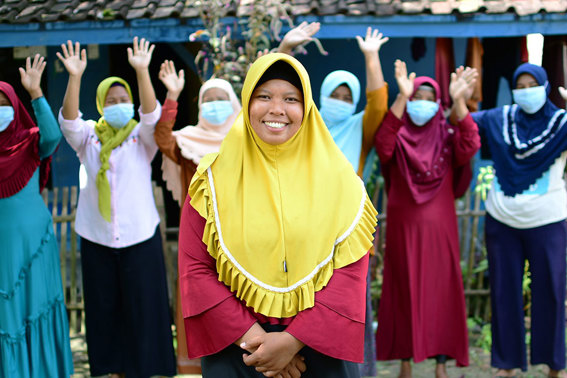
(274, 238)
(124, 280)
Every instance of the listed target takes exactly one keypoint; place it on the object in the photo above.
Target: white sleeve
(76, 132)
(147, 126)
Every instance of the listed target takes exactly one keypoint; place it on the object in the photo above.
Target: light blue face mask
(6, 117)
(333, 110)
(216, 112)
(118, 115)
(421, 111)
(530, 99)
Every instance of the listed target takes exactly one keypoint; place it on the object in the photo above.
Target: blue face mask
(530, 99)
(6, 117)
(216, 112)
(333, 110)
(118, 115)
(421, 111)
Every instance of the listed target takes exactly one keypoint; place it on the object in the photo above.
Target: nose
(278, 107)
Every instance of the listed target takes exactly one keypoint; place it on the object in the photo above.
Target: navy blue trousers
(545, 249)
(127, 310)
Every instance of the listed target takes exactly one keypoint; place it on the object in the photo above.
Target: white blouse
(134, 216)
(544, 202)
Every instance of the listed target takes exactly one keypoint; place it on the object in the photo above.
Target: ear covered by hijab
(268, 243)
(533, 99)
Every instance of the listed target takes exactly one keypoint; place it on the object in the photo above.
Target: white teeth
(276, 125)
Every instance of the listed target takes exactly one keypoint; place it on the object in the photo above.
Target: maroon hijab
(19, 149)
(424, 154)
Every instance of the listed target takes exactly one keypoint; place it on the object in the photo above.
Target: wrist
(295, 344)
(403, 97)
(35, 93)
(173, 96)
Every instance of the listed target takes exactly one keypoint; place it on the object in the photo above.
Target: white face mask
(421, 111)
(6, 117)
(530, 99)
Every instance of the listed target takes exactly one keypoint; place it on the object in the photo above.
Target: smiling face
(215, 94)
(343, 93)
(276, 111)
(526, 81)
(117, 95)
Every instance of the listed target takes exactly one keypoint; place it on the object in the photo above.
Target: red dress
(422, 309)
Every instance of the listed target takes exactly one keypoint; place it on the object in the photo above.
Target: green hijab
(110, 138)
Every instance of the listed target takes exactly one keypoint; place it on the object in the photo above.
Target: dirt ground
(479, 365)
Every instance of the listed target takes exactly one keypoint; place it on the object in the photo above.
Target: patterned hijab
(281, 218)
(524, 146)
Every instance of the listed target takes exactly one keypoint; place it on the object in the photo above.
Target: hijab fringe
(350, 249)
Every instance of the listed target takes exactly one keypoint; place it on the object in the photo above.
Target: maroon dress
(422, 309)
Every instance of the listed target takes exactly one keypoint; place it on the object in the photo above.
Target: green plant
(484, 181)
(223, 54)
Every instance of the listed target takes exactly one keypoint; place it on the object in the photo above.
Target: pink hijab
(425, 154)
(201, 139)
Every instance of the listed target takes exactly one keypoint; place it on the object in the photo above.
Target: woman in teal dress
(34, 334)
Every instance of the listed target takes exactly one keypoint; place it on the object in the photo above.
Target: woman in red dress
(425, 162)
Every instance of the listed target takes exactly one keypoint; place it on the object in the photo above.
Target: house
(107, 27)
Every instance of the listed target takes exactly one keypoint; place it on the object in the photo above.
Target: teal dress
(34, 333)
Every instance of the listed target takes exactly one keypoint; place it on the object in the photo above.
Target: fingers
(182, 75)
(22, 73)
(312, 28)
(135, 46)
(411, 76)
(70, 48)
(130, 53)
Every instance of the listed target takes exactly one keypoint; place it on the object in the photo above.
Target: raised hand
(140, 54)
(73, 58)
(31, 75)
(405, 82)
(373, 41)
(299, 35)
(173, 81)
(462, 83)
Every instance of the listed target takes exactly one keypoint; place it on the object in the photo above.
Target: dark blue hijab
(524, 146)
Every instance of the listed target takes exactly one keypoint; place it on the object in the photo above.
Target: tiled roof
(43, 11)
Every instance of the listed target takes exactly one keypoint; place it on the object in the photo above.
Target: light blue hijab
(347, 133)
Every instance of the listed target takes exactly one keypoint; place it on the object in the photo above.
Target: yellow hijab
(281, 218)
(110, 138)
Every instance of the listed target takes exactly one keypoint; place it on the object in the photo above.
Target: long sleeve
(385, 141)
(467, 141)
(163, 133)
(49, 133)
(147, 126)
(214, 317)
(341, 305)
(76, 132)
(374, 112)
